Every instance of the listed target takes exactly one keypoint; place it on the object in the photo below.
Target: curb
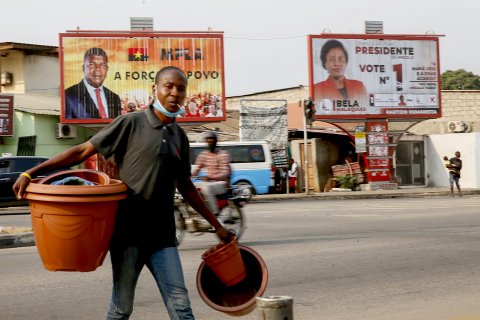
(359, 195)
(17, 240)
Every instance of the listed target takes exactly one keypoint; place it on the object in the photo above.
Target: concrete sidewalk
(404, 192)
(26, 239)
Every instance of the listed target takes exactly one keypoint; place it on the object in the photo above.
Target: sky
(265, 40)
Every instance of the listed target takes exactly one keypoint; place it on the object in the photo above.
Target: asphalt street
(376, 259)
(26, 239)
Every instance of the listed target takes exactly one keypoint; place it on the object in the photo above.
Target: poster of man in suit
(107, 74)
(90, 99)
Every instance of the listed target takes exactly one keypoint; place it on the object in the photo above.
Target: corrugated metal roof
(28, 47)
(227, 130)
(37, 104)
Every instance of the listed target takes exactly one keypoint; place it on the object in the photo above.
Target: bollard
(275, 308)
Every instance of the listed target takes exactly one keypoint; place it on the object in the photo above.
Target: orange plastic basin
(73, 225)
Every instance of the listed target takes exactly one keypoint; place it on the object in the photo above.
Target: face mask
(212, 147)
(162, 109)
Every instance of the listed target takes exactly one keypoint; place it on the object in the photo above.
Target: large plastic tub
(73, 225)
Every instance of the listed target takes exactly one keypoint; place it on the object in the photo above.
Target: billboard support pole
(305, 150)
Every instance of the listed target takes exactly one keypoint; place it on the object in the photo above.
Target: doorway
(410, 156)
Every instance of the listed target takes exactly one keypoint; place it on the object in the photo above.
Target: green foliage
(347, 181)
(460, 80)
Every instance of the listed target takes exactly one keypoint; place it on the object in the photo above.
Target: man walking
(153, 155)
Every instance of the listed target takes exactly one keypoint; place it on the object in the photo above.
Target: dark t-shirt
(150, 158)
(456, 166)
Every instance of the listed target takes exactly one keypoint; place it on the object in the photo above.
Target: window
(238, 154)
(26, 146)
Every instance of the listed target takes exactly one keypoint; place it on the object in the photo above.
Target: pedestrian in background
(455, 167)
(292, 175)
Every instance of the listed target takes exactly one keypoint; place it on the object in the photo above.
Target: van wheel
(246, 184)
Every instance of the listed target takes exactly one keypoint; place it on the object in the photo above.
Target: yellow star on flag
(138, 55)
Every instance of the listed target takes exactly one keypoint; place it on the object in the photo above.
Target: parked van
(251, 163)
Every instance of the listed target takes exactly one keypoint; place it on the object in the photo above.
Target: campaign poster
(123, 65)
(6, 115)
(374, 76)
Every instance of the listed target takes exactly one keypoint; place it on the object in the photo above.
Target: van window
(251, 163)
(21, 165)
(238, 154)
(4, 164)
(194, 152)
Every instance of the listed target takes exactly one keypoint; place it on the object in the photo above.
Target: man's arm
(199, 163)
(190, 193)
(67, 158)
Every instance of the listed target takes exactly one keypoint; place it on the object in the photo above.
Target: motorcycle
(230, 206)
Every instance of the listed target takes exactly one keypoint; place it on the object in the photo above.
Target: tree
(460, 80)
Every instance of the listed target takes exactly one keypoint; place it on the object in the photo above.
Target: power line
(265, 39)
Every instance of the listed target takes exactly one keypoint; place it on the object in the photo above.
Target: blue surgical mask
(162, 109)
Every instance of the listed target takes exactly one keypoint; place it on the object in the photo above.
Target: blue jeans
(165, 267)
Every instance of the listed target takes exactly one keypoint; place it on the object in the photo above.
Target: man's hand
(205, 178)
(225, 235)
(20, 186)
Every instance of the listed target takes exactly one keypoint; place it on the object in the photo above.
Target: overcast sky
(265, 40)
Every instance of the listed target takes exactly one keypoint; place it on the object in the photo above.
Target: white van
(251, 163)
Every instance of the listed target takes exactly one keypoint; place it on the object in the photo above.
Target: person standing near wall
(292, 175)
(454, 168)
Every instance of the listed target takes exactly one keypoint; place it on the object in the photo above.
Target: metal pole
(305, 152)
(288, 173)
(275, 308)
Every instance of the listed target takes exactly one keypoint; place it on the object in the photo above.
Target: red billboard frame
(394, 115)
(218, 97)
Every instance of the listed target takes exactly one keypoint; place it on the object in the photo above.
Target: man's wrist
(26, 175)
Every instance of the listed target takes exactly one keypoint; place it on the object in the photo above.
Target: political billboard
(6, 115)
(374, 76)
(123, 66)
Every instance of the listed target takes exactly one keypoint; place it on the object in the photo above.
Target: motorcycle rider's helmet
(211, 135)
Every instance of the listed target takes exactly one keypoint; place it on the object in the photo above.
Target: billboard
(6, 115)
(127, 74)
(374, 76)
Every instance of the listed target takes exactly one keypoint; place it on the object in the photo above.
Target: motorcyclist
(216, 164)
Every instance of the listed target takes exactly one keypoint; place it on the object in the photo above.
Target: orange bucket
(73, 225)
(226, 262)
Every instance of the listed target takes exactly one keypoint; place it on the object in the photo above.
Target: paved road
(370, 259)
